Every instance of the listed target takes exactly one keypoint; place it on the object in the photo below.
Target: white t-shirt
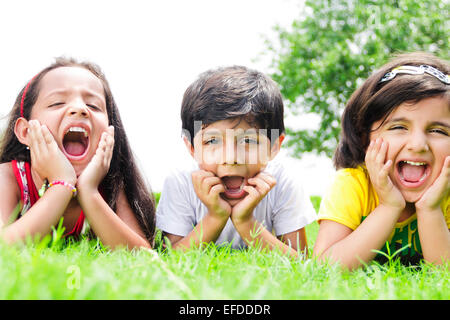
(284, 209)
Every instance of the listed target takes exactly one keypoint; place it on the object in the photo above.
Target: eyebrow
(212, 132)
(439, 123)
(87, 93)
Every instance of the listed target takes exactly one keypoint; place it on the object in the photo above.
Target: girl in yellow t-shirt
(393, 180)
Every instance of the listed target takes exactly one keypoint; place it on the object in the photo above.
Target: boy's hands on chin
(257, 189)
(97, 168)
(208, 188)
(437, 192)
(46, 158)
(375, 159)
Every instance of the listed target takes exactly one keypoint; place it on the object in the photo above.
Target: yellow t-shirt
(351, 198)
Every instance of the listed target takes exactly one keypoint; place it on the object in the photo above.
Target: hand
(375, 158)
(97, 168)
(257, 189)
(47, 159)
(208, 188)
(437, 192)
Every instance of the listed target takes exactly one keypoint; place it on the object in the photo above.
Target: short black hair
(232, 92)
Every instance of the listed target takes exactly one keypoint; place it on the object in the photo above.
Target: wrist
(241, 220)
(395, 208)
(218, 214)
(428, 210)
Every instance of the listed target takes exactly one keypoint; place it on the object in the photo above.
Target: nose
(78, 108)
(418, 142)
(230, 150)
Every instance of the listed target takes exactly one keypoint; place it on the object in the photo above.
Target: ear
(277, 146)
(21, 130)
(189, 146)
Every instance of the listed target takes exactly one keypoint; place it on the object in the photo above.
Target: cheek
(208, 167)
(254, 169)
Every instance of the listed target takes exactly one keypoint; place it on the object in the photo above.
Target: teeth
(78, 129)
(415, 163)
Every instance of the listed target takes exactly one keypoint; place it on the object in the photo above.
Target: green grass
(52, 269)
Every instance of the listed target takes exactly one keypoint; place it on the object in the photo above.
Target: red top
(29, 194)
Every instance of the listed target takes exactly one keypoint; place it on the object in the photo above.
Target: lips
(234, 187)
(76, 142)
(413, 174)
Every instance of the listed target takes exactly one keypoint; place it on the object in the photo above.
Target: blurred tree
(335, 45)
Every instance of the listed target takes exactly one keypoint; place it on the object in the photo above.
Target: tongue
(232, 182)
(412, 173)
(74, 148)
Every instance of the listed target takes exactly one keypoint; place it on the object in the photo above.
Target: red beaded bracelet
(66, 184)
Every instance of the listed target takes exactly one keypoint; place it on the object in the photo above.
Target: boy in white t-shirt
(232, 121)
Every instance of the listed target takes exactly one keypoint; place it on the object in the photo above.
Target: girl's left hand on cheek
(438, 191)
(259, 187)
(97, 168)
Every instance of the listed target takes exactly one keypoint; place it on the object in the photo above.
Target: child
(232, 121)
(393, 163)
(65, 134)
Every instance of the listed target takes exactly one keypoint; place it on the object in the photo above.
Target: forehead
(429, 109)
(221, 126)
(69, 78)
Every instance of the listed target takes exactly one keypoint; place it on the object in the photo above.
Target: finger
(216, 190)
(209, 182)
(252, 192)
(443, 179)
(261, 186)
(109, 149)
(382, 153)
(198, 177)
(268, 178)
(369, 151)
(37, 138)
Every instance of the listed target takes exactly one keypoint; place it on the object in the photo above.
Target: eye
(249, 140)
(212, 141)
(93, 106)
(397, 127)
(440, 131)
(55, 104)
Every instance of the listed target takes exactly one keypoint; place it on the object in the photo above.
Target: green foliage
(333, 47)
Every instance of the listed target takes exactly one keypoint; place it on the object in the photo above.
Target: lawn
(53, 269)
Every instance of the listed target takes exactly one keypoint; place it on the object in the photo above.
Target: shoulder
(181, 178)
(7, 174)
(9, 190)
(348, 198)
(356, 177)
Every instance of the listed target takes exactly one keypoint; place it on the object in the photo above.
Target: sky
(150, 51)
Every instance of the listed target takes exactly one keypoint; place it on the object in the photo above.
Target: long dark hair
(375, 100)
(123, 172)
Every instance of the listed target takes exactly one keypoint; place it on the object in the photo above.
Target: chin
(412, 197)
(231, 202)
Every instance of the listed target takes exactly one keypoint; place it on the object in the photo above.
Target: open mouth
(76, 142)
(234, 187)
(413, 174)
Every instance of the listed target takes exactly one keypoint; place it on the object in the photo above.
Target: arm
(433, 230)
(39, 219)
(114, 230)
(208, 188)
(250, 230)
(254, 233)
(296, 240)
(339, 243)
(207, 230)
(49, 209)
